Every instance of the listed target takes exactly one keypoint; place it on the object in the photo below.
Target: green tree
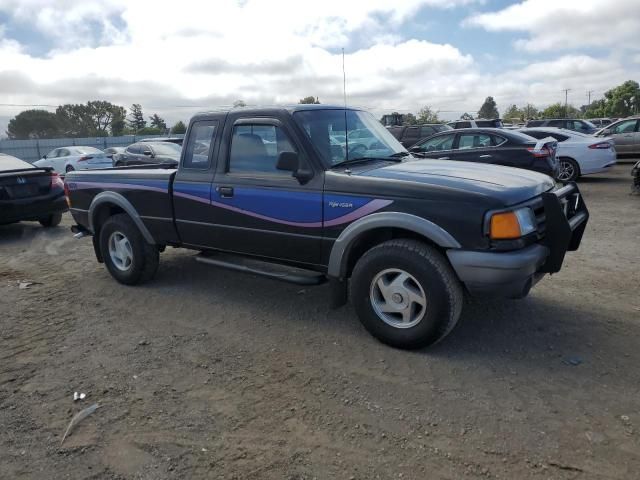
(93, 119)
(489, 109)
(557, 110)
(427, 115)
(310, 100)
(150, 131)
(623, 100)
(597, 109)
(137, 121)
(529, 112)
(179, 127)
(158, 122)
(239, 104)
(514, 114)
(73, 120)
(33, 124)
(409, 119)
(466, 116)
(119, 123)
(100, 115)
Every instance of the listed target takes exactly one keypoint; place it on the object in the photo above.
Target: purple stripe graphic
(366, 209)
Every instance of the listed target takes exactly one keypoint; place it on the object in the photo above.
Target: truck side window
(198, 147)
(255, 149)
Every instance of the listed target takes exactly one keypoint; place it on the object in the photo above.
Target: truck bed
(148, 190)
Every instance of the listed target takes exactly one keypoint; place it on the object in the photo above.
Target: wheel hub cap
(398, 298)
(566, 171)
(120, 251)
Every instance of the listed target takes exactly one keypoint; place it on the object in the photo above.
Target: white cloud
(176, 61)
(567, 24)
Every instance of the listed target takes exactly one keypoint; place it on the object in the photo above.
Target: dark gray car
(149, 153)
(575, 124)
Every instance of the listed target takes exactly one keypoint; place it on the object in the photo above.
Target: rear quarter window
(497, 140)
(197, 150)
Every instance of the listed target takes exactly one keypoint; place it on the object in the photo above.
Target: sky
(178, 58)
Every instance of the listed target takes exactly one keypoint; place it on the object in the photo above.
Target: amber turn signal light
(505, 226)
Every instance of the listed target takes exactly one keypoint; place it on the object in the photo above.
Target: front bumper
(512, 274)
(31, 208)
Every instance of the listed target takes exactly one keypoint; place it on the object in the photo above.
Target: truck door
(261, 210)
(194, 218)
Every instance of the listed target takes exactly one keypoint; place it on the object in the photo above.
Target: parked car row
(492, 146)
(148, 151)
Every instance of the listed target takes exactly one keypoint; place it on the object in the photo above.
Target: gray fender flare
(114, 198)
(405, 221)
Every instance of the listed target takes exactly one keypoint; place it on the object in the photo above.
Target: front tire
(569, 170)
(406, 294)
(52, 220)
(127, 255)
(69, 168)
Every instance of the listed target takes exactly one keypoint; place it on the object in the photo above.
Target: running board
(264, 269)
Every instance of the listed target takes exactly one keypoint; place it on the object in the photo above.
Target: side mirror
(147, 153)
(44, 157)
(290, 162)
(415, 148)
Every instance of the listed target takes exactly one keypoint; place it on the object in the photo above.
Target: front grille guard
(565, 219)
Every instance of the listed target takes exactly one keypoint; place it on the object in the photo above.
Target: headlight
(511, 225)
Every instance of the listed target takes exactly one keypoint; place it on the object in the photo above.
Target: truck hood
(507, 184)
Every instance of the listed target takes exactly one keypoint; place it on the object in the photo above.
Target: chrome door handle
(485, 156)
(444, 158)
(225, 192)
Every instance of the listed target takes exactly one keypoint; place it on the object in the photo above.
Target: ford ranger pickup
(287, 193)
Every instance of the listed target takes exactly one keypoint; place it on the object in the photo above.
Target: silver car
(625, 133)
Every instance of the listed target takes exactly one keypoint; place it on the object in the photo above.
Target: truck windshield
(363, 137)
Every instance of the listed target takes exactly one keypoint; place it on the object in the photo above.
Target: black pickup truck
(280, 192)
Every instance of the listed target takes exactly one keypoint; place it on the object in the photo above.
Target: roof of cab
(270, 109)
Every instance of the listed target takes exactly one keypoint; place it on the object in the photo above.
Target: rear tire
(52, 220)
(569, 170)
(69, 169)
(406, 294)
(127, 255)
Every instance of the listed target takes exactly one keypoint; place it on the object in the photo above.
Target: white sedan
(66, 159)
(578, 153)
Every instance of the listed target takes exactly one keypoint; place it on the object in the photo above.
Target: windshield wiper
(352, 161)
(400, 154)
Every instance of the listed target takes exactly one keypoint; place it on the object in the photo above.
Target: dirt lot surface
(205, 373)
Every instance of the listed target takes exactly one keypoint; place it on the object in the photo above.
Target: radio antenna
(344, 91)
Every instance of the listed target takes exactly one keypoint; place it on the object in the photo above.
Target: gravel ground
(205, 373)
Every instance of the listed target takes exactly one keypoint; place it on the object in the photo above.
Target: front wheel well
(376, 236)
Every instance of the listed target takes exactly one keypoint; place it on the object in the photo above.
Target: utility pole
(566, 97)
(589, 95)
